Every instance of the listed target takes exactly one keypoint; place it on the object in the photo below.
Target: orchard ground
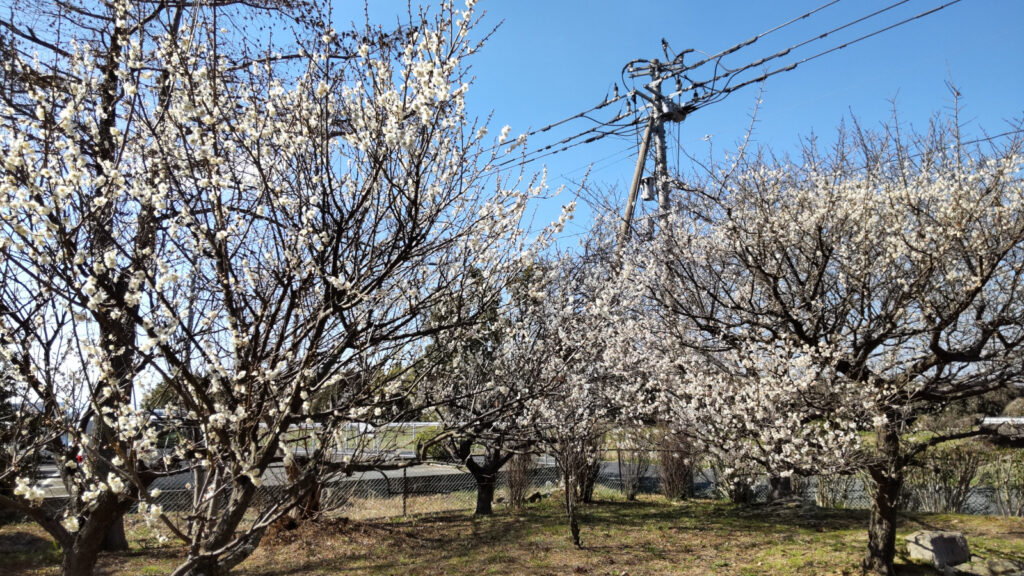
(648, 536)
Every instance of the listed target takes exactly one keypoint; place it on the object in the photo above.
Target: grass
(649, 536)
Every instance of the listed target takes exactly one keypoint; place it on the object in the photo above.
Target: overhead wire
(729, 75)
(623, 153)
(552, 149)
(740, 45)
(731, 72)
(610, 128)
(588, 136)
(607, 102)
(624, 96)
(729, 89)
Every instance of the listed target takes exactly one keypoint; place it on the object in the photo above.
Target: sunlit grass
(649, 536)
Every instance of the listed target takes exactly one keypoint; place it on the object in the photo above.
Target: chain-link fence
(418, 489)
(430, 488)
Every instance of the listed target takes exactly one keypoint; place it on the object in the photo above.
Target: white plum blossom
(70, 524)
(115, 483)
(34, 494)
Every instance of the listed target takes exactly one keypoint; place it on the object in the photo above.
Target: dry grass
(649, 536)
(376, 508)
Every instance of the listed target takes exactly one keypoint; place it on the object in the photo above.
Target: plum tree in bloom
(595, 382)
(858, 289)
(572, 417)
(254, 225)
(484, 385)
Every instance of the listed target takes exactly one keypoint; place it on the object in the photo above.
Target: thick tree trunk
(486, 475)
(882, 530)
(206, 567)
(115, 539)
(780, 488)
(221, 565)
(570, 509)
(485, 484)
(80, 559)
(310, 506)
(590, 472)
(888, 478)
(80, 555)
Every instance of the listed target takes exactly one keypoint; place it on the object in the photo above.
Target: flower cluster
(34, 494)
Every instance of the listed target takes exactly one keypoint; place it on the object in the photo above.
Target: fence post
(405, 489)
(618, 457)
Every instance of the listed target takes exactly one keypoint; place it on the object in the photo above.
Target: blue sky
(551, 59)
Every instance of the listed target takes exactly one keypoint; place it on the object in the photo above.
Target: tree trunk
(79, 556)
(486, 475)
(590, 471)
(205, 567)
(115, 540)
(222, 564)
(80, 559)
(570, 507)
(780, 487)
(485, 484)
(888, 478)
(574, 529)
(308, 507)
(882, 530)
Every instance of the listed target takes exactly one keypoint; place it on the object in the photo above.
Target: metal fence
(853, 492)
(385, 494)
(439, 488)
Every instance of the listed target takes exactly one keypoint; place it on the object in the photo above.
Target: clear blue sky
(551, 59)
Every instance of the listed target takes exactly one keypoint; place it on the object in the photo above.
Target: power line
(729, 89)
(751, 40)
(729, 72)
(677, 113)
(714, 94)
(595, 133)
(675, 69)
(622, 154)
(619, 98)
(584, 114)
(539, 153)
(588, 136)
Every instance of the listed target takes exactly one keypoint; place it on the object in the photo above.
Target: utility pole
(637, 174)
(661, 108)
(662, 111)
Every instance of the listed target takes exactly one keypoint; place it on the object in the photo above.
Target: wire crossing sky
(553, 61)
